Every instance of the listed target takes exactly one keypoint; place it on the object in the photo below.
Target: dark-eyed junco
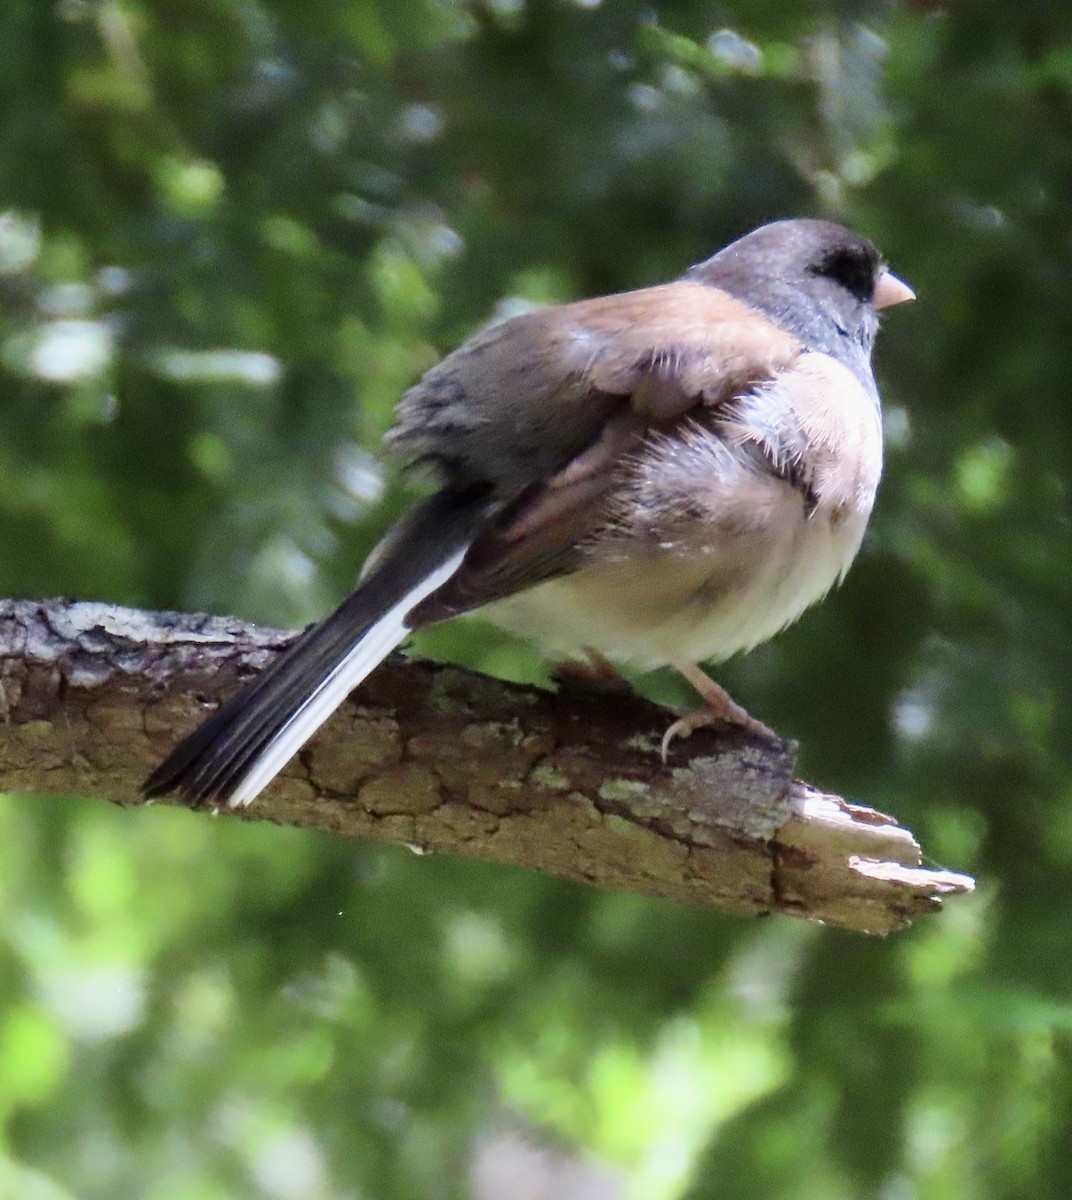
(665, 477)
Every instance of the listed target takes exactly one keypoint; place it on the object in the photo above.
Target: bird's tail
(240, 749)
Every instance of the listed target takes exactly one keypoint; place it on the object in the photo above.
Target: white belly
(728, 589)
(711, 547)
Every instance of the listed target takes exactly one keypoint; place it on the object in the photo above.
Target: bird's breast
(701, 601)
(723, 532)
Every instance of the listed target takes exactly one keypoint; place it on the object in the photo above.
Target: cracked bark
(91, 696)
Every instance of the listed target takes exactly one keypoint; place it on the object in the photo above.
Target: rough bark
(91, 696)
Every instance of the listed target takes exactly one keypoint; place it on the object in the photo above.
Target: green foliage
(231, 233)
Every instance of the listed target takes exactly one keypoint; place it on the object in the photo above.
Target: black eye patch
(853, 267)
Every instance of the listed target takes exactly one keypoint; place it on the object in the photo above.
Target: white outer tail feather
(364, 656)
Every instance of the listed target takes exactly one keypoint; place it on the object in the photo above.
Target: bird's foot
(719, 708)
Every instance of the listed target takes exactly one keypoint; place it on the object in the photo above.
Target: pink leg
(598, 672)
(718, 707)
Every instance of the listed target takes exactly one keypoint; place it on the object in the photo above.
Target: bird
(662, 477)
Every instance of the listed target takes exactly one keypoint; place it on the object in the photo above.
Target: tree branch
(91, 696)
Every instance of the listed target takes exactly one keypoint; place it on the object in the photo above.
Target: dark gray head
(816, 280)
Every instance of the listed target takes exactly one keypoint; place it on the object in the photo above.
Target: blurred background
(231, 232)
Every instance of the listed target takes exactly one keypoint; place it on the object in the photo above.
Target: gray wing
(550, 408)
(516, 403)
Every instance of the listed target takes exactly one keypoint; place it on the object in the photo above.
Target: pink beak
(891, 290)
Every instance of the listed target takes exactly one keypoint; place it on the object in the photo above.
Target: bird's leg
(718, 706)
(598, 672)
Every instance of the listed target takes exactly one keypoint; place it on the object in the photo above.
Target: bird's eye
(853, 268)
